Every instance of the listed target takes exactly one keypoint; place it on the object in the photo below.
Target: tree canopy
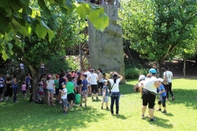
(27, 18)
(158, 28)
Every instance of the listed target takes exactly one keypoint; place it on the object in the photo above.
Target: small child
(162, 100)
(64, 98)
(41, 91)
(24, 89)
(105, 95)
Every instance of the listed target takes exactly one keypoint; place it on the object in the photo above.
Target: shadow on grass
(161, 122)
(185, 96)
(30, 116)
(121, 117)
(169, 114)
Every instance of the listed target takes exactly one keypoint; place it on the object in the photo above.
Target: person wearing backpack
(168, 76)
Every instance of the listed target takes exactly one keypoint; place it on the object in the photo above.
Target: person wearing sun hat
(149, 93)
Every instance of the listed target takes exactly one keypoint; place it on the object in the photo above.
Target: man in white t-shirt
(168, 87)
(92, 78)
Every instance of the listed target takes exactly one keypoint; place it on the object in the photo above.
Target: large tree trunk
(159, 69)
(35, 77)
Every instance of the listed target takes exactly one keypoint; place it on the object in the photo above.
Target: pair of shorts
(105, 99)
(71, 97)
(84, 93)
(94, 89)
(148, 98)
(100, 85)
(50, 90)
(64, 103)
(57, 91)
(24, 91)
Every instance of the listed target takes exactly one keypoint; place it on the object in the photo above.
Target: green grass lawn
(181, 116)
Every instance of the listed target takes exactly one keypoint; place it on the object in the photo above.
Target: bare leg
(52, 95)
(48, 98)
(71, 104)
(151, 113)
(143, 110)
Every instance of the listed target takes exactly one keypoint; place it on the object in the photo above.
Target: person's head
(57, 76)
(160, 81)
(136, 88)
(149, 75)
(7, 75)
(91, 70)
(23, 82)
(63, 85)
(105, 82)
(115, 77)
(79, 77)
(40, 83)
(49, 76)
(70, 78)
(141, 78)
(84, 76)
(153, 71)
(166, 68)
(99, 71)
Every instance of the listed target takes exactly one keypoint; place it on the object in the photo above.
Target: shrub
(131, 73)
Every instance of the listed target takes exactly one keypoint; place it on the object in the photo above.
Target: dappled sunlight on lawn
(25, 116)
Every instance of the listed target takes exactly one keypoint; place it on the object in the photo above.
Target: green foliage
(73, 63)
(132, 71)
(158, 28)
(21, 18)
(55, 64)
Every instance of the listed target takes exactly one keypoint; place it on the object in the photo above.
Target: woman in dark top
(79, 84)
(9, 87)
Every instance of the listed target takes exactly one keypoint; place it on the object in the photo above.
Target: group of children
(62, 88)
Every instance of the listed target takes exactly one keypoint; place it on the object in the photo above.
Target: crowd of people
(65, 87)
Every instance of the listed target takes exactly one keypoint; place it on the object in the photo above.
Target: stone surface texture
(106, 48)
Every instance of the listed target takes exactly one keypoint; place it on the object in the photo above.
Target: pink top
(23, 87)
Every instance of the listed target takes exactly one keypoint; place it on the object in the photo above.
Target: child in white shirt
(64, 98)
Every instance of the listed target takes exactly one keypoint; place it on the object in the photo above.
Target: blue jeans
(15, 89)
(115, 96)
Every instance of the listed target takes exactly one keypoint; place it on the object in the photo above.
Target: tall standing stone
(106, 48)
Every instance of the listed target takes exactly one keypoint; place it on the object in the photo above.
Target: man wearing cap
(149, 93)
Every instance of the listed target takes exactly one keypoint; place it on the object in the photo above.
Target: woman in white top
(149, 92)
(115, 93)
(50, 89)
